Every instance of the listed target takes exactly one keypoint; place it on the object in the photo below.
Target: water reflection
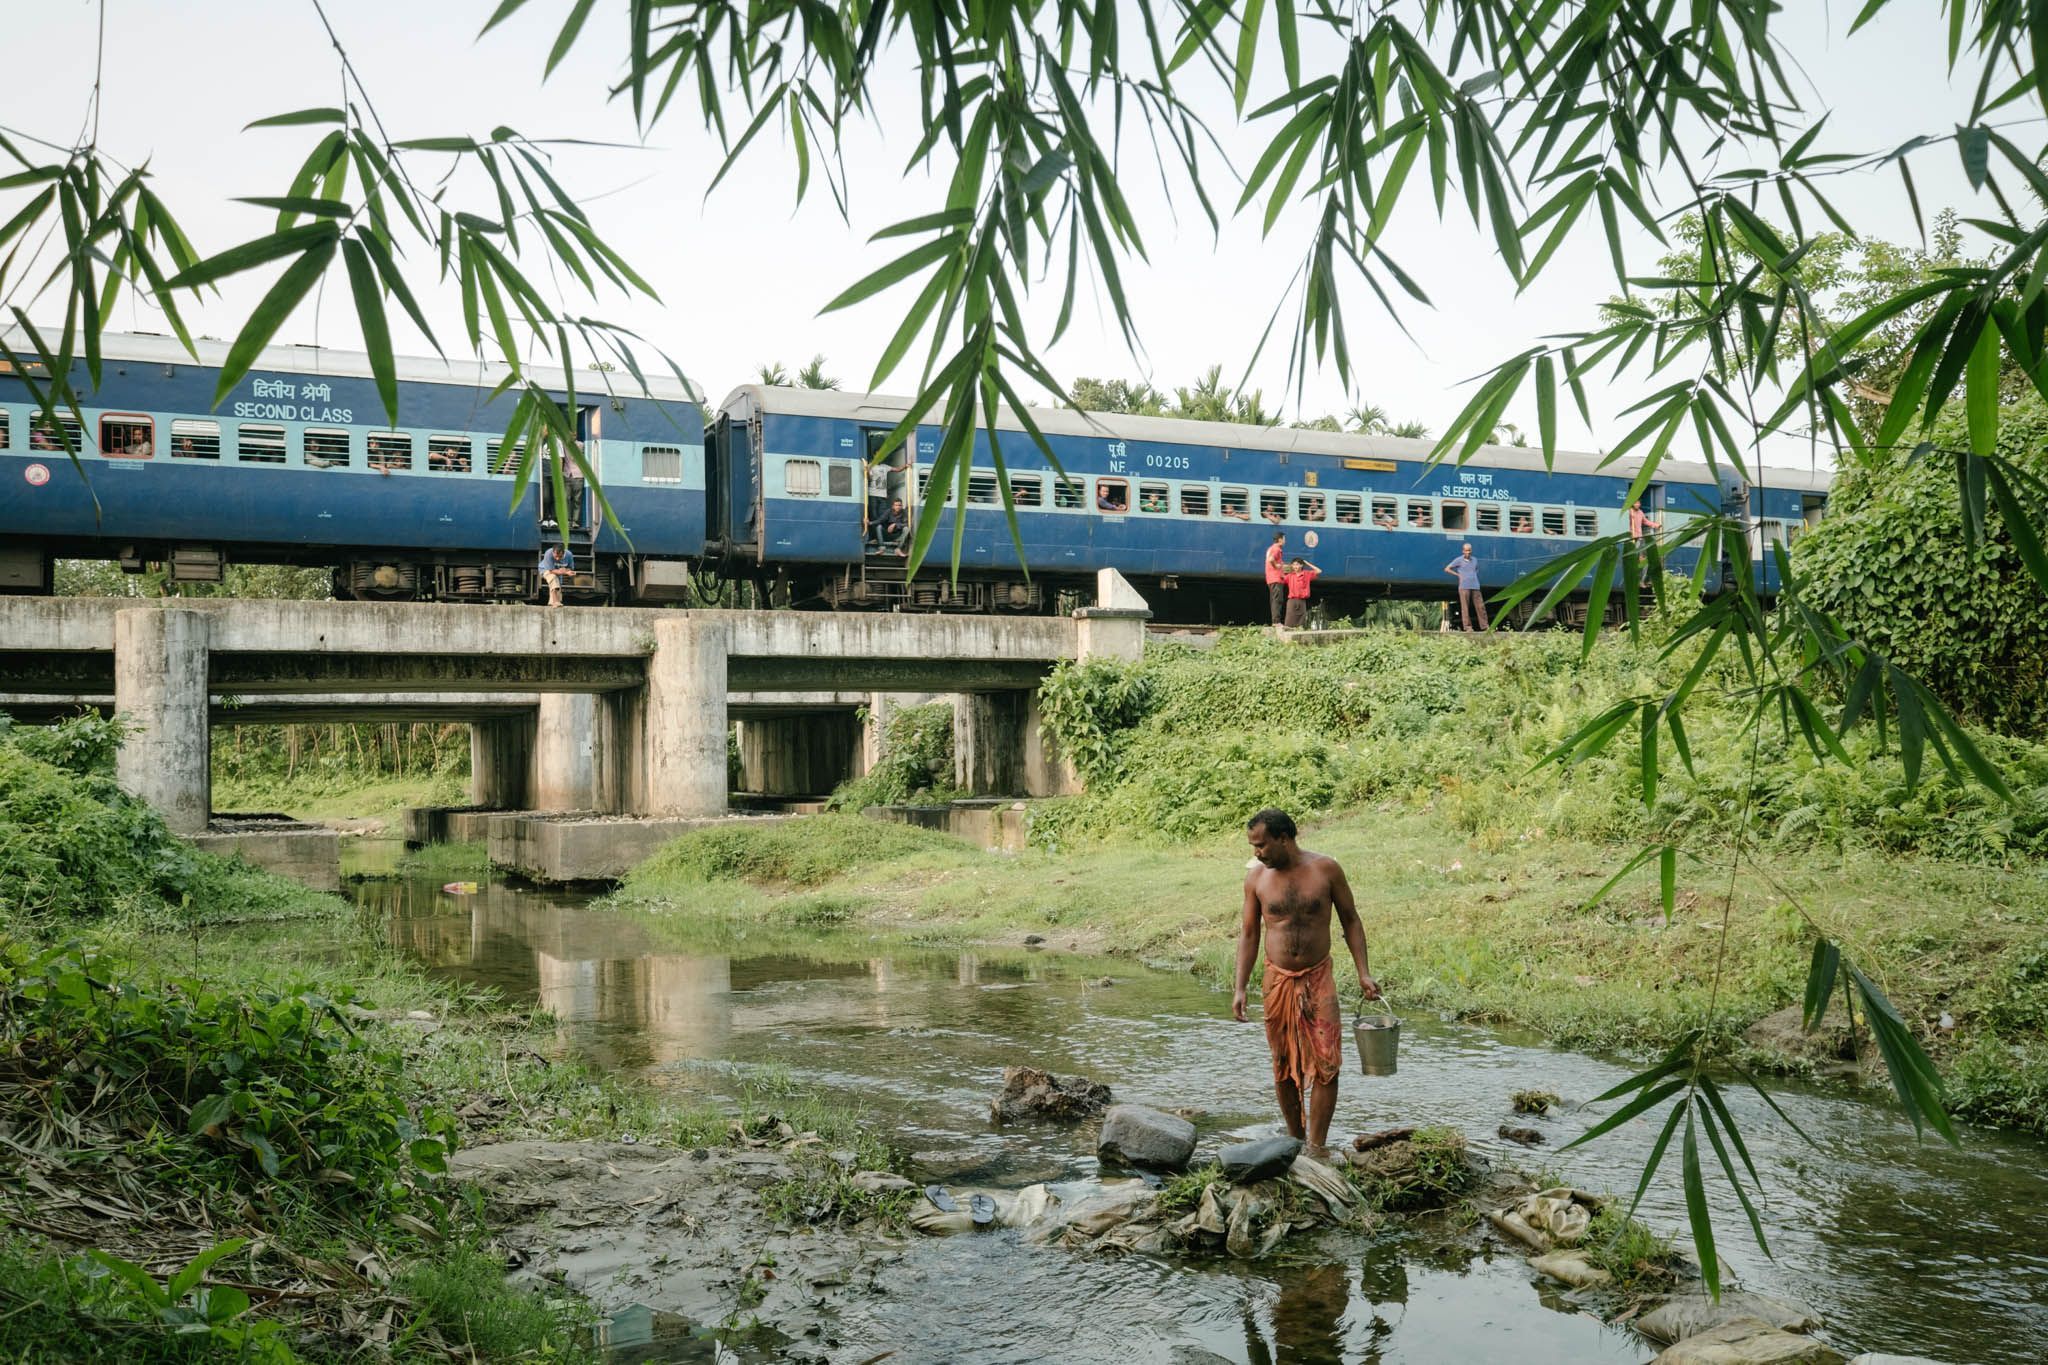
(1907, 1246)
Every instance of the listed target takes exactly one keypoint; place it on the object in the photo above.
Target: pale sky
(743, 274)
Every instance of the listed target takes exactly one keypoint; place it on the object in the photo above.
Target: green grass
(444, 860)
(320, 799)
(463, 1294)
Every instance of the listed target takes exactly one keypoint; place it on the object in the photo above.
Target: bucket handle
(1380, 1006)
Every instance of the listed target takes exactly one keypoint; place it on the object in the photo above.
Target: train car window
(66, 435)
(1773, 532)
(1311, 506)
(1457, 516)
(1112, 495)
(263, 444)
(326, 448)
(5, 429)
(802, 479)
(1194, 500)
(1154, 497)
(1421, 513)
(448, 454)
(661, 464)
(1235, 503)
(1350, 510)
(982, 490)
(1068, 494)
(1553, 521)
(127, 438)
(194, 439)
(1521, 520)
(1585, 525)
(1486, 518)
(390, 450)
(1384, 511)
(504, 461)
(1272, 505)
(1026, 490)
(839, 478)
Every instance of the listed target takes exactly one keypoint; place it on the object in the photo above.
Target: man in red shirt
(1299, 575)
(1276, 577)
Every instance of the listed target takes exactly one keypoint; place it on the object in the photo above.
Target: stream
(1901, 1245)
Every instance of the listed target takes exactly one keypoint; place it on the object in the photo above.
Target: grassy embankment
(229, 1105)
(1412, 760)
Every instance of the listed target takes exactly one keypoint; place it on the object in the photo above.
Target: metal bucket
(1377, 1037)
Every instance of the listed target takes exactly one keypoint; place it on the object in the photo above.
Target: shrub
(244, 1088)
(916, 763)
(1890, 562)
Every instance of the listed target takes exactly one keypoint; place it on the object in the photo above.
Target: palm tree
(1508, 434)
(1413, 431)
(813, 376)
(1207, 401)
(1369, 418)
(774, 375)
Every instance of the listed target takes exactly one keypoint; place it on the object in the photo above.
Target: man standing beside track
(1471, 599)
(1276, 577)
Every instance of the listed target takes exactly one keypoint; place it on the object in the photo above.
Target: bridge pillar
(686, 717)
(564, 752)
(500, 762)
(989, 743)
(160, 663)
(618, 729)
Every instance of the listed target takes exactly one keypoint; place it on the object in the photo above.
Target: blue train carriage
(1185, 510)
(298, 466)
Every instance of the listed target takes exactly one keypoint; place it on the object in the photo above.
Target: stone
(1029, 1093)
(1879, 1358)
(1134, 1135)
(1785, 1033)
(1572, 1267)
(1749, 1341)
(882, 1182)
(1033, 940)
(1685, 1315)
(1263, 1160)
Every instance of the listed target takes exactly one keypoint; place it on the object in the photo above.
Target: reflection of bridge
(630, 708)
(653, 1005)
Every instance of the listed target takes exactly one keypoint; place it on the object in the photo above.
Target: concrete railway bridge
(618, 711)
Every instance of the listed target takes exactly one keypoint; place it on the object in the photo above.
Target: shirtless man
(1290, 894)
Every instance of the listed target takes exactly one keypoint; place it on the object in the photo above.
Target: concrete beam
(306, 674)
(903, 674)
(160, 686)
(501, 762)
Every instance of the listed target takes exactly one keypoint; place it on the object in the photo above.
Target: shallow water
(1901, 1245)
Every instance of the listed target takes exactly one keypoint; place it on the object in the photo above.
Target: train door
(570, 521)
(886, 479)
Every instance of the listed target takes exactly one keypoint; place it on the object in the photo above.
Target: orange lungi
(1303, 1024)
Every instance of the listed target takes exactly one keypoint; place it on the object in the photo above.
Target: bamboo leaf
(270, 313)
(1820, 982)
(297, 118)
(1696, 1211)
(362, 279)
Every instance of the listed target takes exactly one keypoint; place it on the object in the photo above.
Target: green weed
(464, 1296)
(1627, 1249)
(781, 852)
(1183, 1193)
(916, 764)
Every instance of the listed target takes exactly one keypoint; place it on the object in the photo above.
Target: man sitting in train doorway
(556, 565)
(1276, 578)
